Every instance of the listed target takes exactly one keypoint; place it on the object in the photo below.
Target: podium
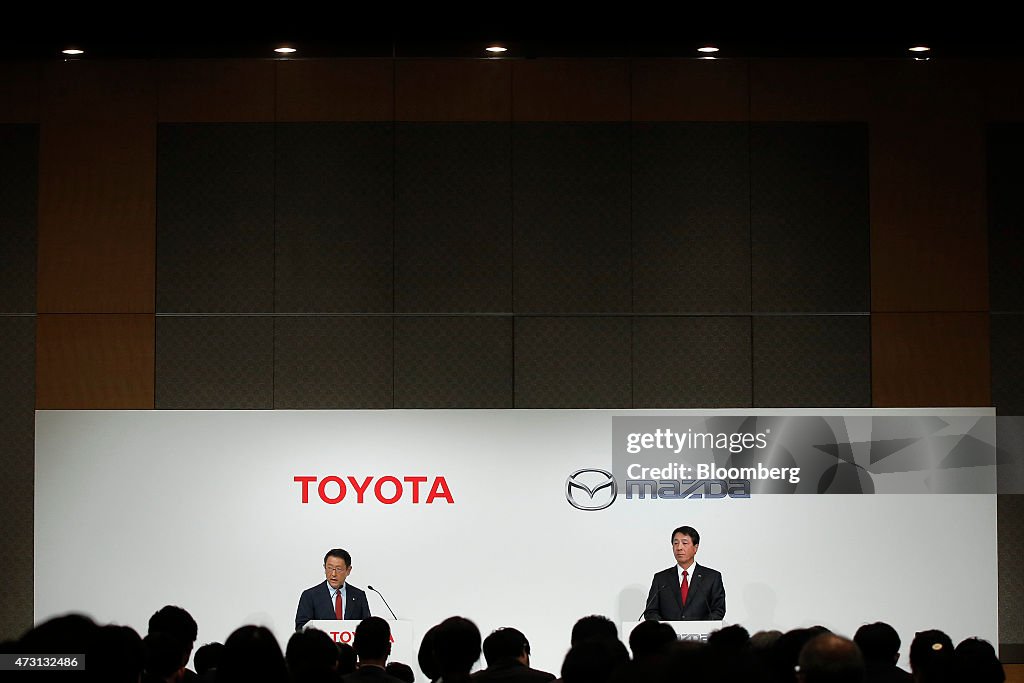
(344, 631)
(685, 630)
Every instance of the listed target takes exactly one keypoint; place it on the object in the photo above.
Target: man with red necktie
(333, 598)
(688, 591)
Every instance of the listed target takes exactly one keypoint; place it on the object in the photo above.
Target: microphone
(648, 605)
(385, 601)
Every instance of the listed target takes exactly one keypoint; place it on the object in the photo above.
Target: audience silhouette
(450, 650)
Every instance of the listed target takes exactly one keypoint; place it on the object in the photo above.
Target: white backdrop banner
(456, 512)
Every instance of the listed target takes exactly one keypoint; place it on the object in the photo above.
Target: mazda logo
(591, 489)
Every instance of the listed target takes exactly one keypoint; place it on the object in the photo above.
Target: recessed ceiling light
(707, 48)
(496, 48)
(920, 48)
(284, 50)
(73, 51)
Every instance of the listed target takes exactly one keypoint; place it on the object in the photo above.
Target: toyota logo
(591, 489)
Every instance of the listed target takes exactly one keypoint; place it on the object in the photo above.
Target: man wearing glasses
(332, 599)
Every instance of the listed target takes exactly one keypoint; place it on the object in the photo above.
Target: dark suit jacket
(879, 672)
(370, 674)
(511, 671)
(705, 599)
(315, 603)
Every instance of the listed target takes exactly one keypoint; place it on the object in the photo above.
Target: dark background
(427, 232)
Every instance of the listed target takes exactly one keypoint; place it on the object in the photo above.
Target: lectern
(685, 630)
(344, 631)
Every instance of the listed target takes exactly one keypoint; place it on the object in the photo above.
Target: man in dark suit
(178, 623)
(507, 652)
(373, 645)
(879, 643)
(687, 591)
(332, 599)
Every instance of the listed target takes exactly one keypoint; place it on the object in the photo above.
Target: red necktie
(337, 605)
(683, 588)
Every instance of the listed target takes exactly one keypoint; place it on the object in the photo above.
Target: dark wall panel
(19, 190)
(105, 90)
(333, 362)
(809, 217)
(1006, 216)
(928, 213)
(214, 362)
(1003, 88)
(93, 361)
(819, 361)
(19, 91)
(928, 216)
(334, 208)
(930, 359)
(453, 232)
(791, 89)
(573, 362)
(1008, 363)
(216, 90)
(570, 90)
(571, 218)
(691, 362)
(690, 217)
(1010, 515)
(453, 90)
(17, 425)
(663, 90)
(335, 90)
(215, 218)
(97, 204)
(453, 362)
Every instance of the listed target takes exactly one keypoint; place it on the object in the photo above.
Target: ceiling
(543, 30)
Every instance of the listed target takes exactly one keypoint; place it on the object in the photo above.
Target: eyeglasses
(335, 570)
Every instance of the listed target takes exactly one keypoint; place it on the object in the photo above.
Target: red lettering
(439, 490)
(334, 635)
(346, 636)
(305, 487)
(380, 496)
(341, 490)
(360, 490)
(415, 481)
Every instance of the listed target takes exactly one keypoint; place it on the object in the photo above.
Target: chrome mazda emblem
(591, 489)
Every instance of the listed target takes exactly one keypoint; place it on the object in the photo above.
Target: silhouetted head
(373, 639)
(878, 642)
(650, 638)
(115, 655)
(456, 647)
(594, 626)
(401, 671)
(594, 660)
(975, 660)
(506, 644)
(931, 657)
(208, 657)
(252, 655)
(346, 658)
(828, 658)
(311, 655)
